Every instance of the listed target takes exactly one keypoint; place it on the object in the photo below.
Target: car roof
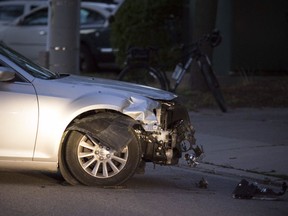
(110, 7)
(106, 6)
(85, 5)
(88, 5)
(26, 6)
(22, 2)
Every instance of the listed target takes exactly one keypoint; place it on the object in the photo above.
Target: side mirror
(6, 74)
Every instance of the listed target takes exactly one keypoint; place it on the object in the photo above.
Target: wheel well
(66, 173)
(94, 112)
(85, 115)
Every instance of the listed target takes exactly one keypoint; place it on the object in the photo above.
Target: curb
(232, 172)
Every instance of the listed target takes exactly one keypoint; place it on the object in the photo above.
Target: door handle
(42, 32)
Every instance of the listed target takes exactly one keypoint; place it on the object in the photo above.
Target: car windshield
(30, 67)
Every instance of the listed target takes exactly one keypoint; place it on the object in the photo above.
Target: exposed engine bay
(164, 143)
(164, 135)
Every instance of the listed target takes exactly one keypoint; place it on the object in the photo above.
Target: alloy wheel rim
(100, 161)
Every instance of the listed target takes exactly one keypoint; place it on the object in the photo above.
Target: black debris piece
(246, 190)
(203, 183)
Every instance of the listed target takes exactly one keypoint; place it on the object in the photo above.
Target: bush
(145, 23)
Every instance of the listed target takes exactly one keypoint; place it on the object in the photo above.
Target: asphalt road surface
(170, 190)
(160, 191)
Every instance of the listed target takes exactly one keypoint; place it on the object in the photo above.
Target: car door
(29, 35)
(95, 32)
(19, 119)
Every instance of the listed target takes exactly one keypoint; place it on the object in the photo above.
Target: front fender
(110, 129)
(139, 108)
(53, 121)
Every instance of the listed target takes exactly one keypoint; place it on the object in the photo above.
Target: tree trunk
(63, 38)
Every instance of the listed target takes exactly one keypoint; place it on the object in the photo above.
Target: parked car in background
(11, 10)
(110, 7)
(28, 35)
(94, 131)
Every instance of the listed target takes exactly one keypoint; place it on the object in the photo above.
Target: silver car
(28, 35)
(94, 131)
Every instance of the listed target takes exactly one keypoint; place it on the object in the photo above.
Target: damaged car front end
(160, 128)
(164, 140)
(96, 132)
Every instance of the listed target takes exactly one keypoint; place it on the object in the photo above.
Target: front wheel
(96, 164)
(143, 75)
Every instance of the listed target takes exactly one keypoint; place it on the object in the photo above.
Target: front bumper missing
(193, 159)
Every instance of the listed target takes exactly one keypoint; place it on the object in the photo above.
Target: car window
(33, 6)
(10, 12)
(40, 17)
(87, 16)
(91, 17)
(30, 67)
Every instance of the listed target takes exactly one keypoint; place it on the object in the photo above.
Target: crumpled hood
(112, 85)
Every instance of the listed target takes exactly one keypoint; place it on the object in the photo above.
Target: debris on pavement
(246, 190)
(194, 158)
(191, 160)
(203, 183)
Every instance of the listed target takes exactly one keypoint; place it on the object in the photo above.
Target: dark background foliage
(145, 23)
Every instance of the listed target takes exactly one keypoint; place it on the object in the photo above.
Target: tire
(65, 172)
(94, 164)
(143, 75)
(213, 85)
(87, 62)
